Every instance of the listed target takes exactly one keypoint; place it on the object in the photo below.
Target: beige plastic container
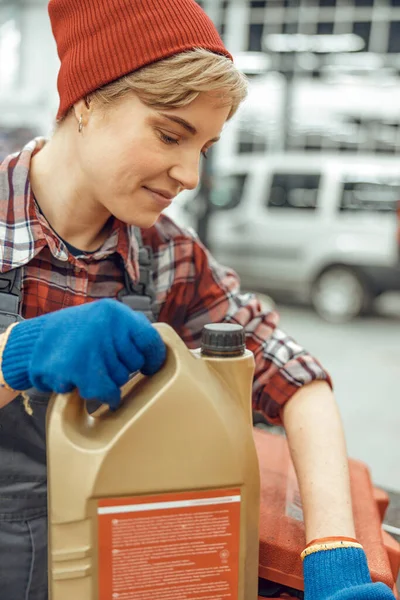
(160, 499)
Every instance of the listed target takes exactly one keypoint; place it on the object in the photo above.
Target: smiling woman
(152, 125)
(147, 157)
(145, 87)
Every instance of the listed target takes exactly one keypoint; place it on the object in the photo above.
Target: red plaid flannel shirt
(192, 288)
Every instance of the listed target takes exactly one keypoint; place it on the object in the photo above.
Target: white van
(323, 228)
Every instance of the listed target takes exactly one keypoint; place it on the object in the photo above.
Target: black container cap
(223, 339)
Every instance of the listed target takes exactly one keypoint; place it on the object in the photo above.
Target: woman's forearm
(318, 449)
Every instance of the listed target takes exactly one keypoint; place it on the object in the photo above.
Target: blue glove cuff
(18, 353)
(341, 574)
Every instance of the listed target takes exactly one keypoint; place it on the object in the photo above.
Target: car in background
(322, 229)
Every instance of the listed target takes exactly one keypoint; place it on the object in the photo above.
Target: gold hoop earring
(80, 129)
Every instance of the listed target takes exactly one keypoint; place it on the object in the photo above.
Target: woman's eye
(168, 139)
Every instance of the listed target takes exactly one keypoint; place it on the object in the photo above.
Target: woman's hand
(94, 348)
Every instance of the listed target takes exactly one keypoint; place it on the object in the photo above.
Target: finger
(117, 371)
(149, 342)
(43, 383)
(126, 350)
(63, 387)
(102, 389)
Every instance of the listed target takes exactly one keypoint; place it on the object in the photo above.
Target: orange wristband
(325, 546)
(334, 538)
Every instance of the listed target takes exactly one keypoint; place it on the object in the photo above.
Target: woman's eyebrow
(190, 128)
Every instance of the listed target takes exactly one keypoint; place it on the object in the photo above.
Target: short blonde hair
(176, 81)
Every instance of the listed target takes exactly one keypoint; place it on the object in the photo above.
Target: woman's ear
(82, 111)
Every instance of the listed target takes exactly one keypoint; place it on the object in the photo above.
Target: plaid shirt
(192, 288)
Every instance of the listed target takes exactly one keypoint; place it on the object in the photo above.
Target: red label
(181, 546)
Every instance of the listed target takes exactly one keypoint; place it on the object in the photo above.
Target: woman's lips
(159, 198)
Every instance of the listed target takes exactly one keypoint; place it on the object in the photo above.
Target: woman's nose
(187, 173)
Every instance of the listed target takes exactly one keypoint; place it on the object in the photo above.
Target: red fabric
(282, 532)
(99, 42)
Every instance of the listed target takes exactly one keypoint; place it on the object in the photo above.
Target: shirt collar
(28, 232)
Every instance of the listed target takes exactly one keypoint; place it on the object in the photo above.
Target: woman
(145, 89)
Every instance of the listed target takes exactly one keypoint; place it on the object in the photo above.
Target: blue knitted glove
(341, 574)
(94, 347)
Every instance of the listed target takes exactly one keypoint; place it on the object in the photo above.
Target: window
(394, 37)
(227, 192)
(258, 3)
(370, 196)
(298, 190)
(327, 2)
(256, 37)
(364, 2)
(363, 29)
(325, 28)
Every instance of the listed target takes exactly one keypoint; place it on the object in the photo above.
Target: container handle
(73, 406)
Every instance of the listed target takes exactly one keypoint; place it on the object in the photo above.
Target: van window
(294, 190)
(227, 191)
(370, 196)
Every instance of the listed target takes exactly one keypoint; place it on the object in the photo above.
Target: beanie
(99, 41)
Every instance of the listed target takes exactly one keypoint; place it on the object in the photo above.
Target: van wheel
(339, 295)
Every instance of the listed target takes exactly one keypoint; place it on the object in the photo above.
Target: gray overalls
(23, 477)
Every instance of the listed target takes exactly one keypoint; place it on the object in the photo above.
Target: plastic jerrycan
(160, 499)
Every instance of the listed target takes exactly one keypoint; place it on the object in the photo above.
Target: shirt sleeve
(206, 292)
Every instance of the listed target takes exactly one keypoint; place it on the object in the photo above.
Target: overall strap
(140, 296)
(10, 298)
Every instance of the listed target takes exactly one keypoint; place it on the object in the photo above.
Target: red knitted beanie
(100, 41)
